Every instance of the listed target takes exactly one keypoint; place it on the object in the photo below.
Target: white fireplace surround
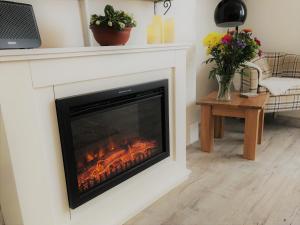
(32, 181)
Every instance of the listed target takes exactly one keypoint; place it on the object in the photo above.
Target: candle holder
(166, 3)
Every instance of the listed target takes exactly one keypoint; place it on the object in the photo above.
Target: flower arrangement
(230, 52)
(116, 19)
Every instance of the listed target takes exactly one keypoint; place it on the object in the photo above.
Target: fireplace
(108, 137)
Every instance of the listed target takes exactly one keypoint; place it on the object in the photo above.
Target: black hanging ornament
(166, 3)
(230, 13)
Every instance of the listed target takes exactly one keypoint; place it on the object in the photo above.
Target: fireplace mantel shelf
(54, 53)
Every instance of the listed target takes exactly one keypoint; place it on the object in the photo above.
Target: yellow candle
(155, 31)
(150, 34)
(169, 31)
(158, 27)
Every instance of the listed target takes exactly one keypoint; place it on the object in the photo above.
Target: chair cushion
(276, 62)
(292, 91)
(291, 66)
(280, 85)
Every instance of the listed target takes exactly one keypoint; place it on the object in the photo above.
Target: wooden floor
(225, 189)
(1, 218)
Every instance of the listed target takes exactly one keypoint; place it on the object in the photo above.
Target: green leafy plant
(116, 19)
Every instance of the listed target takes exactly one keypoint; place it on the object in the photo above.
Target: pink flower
(227, 39)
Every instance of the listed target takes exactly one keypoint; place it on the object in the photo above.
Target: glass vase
(225, 83)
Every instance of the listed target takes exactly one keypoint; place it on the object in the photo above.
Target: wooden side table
(212, 120)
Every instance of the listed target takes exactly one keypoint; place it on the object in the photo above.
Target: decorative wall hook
(166, 3)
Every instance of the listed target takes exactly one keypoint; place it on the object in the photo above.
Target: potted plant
(229, 52)
(113, 28)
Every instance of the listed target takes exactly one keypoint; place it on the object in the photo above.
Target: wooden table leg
(207, 128)
(218, 127)
(251, 133)
(261, 126)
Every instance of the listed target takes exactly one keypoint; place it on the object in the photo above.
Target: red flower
(247, 30)
(227, 39)
(258, 42)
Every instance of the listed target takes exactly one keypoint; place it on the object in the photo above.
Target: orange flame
(112, 160)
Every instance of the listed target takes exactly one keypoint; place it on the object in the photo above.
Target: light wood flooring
(1, 218)
(225, 189)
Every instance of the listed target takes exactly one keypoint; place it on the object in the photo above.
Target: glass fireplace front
(108, 137)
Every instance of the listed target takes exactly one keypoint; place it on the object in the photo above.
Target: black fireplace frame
(102, 101)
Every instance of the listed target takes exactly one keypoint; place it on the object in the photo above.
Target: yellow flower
(208, 51)
(212, 40)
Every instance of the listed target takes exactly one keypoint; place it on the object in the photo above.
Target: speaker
(18, 27)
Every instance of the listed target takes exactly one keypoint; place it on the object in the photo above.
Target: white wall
(276, 23)
(199, 85)
(58, 21)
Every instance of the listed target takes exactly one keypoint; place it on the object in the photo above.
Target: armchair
(270, 66)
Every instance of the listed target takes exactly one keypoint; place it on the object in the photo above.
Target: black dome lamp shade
(230, 13)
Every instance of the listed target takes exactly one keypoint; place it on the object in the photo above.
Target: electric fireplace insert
(108, 137)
